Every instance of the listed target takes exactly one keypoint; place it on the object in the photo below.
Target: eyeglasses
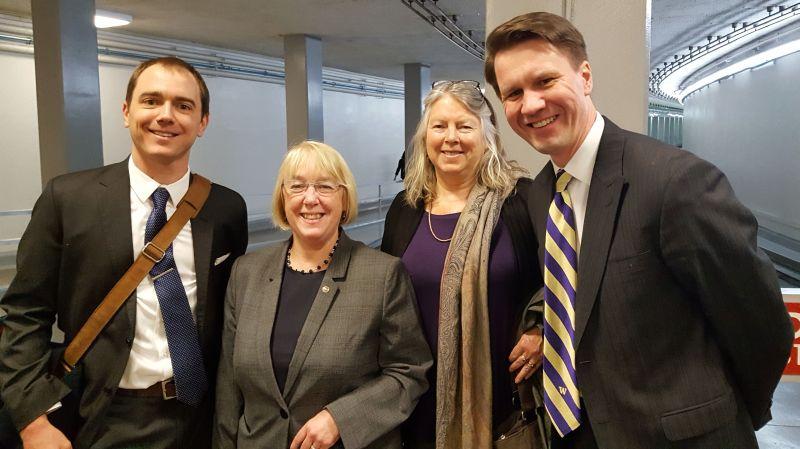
(445, 83)
(323, 188)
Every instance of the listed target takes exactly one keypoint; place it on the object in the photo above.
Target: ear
(203, 125)
(586, 74)
(125, 113)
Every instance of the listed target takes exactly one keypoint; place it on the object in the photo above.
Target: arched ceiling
(378, 36)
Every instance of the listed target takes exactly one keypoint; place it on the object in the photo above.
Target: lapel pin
(325, 289)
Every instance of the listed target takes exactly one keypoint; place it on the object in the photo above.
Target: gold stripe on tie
(562, 399)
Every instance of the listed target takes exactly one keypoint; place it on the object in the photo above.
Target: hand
(319, 432)
(527, 354)
(40, 434)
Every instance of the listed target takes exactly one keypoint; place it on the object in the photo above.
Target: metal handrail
(9, 213)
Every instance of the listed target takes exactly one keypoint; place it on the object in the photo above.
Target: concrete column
(617, 34)
(303, 62)
(67, 86)
(417, 78)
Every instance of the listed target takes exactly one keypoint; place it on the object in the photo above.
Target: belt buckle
(164, 393)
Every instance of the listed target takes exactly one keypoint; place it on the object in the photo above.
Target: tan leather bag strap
(153, 252)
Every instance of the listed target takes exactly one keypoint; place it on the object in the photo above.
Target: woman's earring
(344, 216)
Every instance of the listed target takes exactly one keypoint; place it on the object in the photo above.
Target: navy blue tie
(188, 370)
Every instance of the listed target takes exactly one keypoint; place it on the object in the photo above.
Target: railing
(376, 199)
(13, 213)
(371, 197)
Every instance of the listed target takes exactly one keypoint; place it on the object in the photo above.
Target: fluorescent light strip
(749, 63)
(108, 19)
(671, 84)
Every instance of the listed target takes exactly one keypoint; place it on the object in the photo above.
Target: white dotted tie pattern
(188, 370)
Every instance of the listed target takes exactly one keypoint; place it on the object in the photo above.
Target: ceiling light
(108, 19)
(670, 81)
(749, 63)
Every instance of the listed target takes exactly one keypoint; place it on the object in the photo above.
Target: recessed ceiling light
(108, 19)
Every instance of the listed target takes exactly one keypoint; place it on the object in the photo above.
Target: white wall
(242, 148)
(20, 180)
(749, 126)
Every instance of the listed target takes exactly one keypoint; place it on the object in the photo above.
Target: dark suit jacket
(681, 331)
(361, 353)
(77, 245)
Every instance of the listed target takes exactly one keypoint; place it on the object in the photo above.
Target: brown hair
(171, 62)
(552, 28)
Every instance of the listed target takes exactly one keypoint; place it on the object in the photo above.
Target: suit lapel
(202, 238)
(541, 198)
(267, 307)
(599, 224)
(114, 210)
(319, 310)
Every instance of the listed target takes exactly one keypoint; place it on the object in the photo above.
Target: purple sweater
(424, 260)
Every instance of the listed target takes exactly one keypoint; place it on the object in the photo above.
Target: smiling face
(164, 116)
(313, 218)
(454, 140)
(545, 98)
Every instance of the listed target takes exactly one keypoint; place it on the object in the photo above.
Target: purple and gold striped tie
(561, 397)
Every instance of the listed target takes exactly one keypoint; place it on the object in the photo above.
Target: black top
(298, 291)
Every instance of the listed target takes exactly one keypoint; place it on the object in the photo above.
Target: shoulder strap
(153, 252)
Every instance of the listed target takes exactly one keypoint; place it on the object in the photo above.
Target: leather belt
(164, 389)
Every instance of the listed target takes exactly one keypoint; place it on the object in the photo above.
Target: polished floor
(783, 432)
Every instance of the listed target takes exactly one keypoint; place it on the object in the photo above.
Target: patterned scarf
(464, 373)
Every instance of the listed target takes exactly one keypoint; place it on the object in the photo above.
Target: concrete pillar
(303, 62)
(617, 34)
(417, 79)
(67, 86)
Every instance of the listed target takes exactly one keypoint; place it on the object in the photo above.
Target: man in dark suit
(85, 230)
(664, 323)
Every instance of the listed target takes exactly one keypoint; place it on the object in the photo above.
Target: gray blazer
(361, 353)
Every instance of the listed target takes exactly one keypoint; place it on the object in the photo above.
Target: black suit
(681, 332)
(77, 245)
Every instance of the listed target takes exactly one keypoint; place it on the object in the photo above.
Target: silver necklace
(430, 227)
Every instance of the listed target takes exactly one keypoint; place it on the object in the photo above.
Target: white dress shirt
(149, 361)
(581, 167)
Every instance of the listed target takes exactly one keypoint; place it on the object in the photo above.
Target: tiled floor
(783, 432)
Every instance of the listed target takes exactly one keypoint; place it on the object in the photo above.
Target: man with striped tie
(664, 325)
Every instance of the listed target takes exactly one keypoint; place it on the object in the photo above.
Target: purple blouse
(424, 261)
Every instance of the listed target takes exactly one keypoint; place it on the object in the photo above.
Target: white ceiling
(378, 36)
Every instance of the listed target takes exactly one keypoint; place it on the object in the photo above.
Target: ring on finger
(524, 359)
(531, 364)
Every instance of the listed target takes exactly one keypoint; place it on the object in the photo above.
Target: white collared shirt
(149, 360)
(581, 167)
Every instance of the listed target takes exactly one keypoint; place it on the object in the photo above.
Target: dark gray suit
(361, 353)
(681, 332)
(77, 245)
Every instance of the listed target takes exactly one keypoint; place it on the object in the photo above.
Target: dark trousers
(153, 423)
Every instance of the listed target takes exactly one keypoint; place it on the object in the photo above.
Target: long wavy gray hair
(494, 170)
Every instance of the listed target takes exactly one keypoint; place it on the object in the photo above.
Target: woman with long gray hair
(463, 232)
